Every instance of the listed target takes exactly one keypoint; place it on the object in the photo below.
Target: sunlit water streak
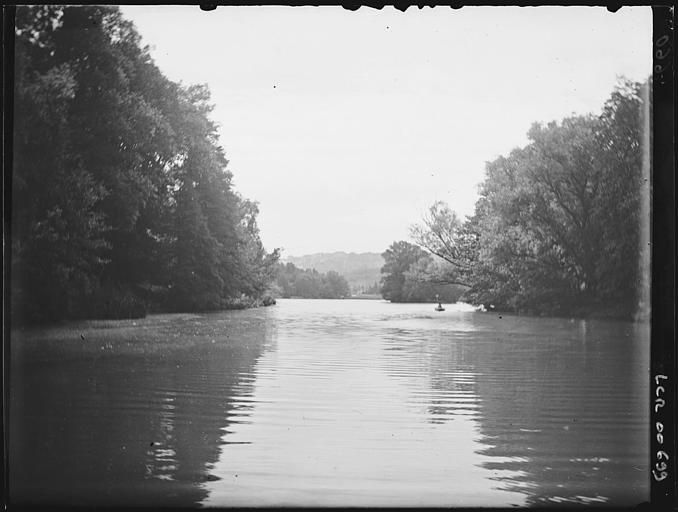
(341, 403)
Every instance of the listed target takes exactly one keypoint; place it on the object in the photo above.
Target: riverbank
(125, 305)
(596, 311)
(155, 335)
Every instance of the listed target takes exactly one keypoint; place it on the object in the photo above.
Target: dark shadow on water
(567, 412)
(561, 406)
(137, 429)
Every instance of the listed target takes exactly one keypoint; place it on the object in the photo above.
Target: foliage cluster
(310, 284)
(409, 275)
(121, 197)
(361, 270)
(557, 227)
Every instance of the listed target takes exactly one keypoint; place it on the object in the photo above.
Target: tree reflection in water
(462, 408)
(573, 414)
(132, 430)
(561, 405)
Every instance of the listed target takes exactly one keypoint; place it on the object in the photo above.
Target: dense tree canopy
(446, 237)
(557, 226)
(310, 284)
(410, 274)
(121, 195)
(121, 198)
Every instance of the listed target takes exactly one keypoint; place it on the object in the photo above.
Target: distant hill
(361, 270)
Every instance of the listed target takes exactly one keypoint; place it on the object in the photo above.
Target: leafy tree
(399, 257)
(258, 268)
(556, 228)
(444, 235)
(121, 193)
(335, 285)
(618, 212)
(311, 284)
(428, 278)
(196, 281)
(58, 236)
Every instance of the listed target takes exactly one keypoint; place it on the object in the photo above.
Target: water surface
(321, 402)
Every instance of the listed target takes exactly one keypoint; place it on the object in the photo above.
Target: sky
(345, 126)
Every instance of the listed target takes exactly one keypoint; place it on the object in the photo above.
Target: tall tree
(196, 283)
(120, 184)
(58, 235)
(556, 227)
(258, 268)
(559, 223)
(399, 257)
(444, 235)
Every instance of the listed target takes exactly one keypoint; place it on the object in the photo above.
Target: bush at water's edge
(124, 303)
(246, 302)
(624, 311)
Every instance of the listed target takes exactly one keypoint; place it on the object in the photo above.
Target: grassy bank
(156, 335)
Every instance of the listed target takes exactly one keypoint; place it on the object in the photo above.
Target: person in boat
(440, 306)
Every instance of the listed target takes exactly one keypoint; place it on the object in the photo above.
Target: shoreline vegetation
(156, 335)
(122, 200)
(123, 203)
(561, 227)
(292, 281)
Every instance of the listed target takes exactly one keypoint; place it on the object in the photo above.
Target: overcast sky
(345, 126)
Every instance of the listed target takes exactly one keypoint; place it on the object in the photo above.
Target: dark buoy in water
(440, 306)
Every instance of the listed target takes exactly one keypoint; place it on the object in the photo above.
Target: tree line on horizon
(557, 227)
(121, 197)
(293, 281)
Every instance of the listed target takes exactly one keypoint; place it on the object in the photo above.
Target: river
(331, 402)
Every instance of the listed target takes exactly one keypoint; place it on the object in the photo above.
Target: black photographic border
(663, 244)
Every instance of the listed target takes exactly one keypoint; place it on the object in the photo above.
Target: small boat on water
(440, 306)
